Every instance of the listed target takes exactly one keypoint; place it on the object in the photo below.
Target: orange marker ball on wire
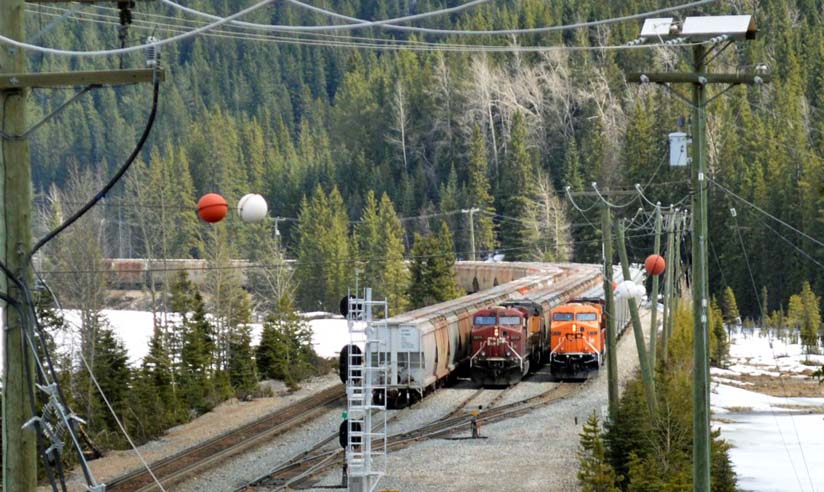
(212, 207)
(655, 265)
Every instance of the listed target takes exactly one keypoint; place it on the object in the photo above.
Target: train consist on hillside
(517, 336)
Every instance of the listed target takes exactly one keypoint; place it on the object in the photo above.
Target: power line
(375, 44)
(360, 23)
(756, 207)
(469, 32)
(130, 49)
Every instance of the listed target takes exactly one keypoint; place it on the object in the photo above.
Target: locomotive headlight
(496, 332)
(573, 328)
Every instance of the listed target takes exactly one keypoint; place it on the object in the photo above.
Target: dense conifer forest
(440, 131)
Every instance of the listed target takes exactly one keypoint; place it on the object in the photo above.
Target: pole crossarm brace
(702, 78)
(49, 116)
(50, 80)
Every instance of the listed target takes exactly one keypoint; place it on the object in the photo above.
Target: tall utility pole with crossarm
(709, 36)
(19, 445)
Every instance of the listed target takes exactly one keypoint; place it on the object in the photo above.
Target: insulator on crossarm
(152, 52)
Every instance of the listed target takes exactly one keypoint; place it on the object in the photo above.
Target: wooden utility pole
(710, 36)
(653, 318)
(668, 302)
(612, 353)
(471, 213)
(640, 344)
(19, 446)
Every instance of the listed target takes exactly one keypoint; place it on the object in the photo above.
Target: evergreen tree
(323, 251)
(241, 364)
(285, 351)
(395, 271)
(719, 346)
(478, 194)
(594, 473)
(517, 185)
(431, 269)
(197, 352)
(811, 319)
(730, 307)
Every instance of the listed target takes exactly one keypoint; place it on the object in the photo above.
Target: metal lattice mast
(366, 394)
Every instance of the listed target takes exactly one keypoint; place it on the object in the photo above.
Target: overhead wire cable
(607, 202)
(764, 212)
(377, 44)
(129, 49)
(470, 32)
(114, 179)
(361, 24)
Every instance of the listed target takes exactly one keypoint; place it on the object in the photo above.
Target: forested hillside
(439, 131)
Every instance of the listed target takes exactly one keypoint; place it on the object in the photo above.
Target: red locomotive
(507, 342)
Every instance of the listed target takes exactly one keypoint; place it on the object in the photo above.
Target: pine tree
(285, 351)
(730, 307)
(811, 319)
(594, 473)
(395, 271)
(197, 353)
(478, 194)
(517, 185)
(431, 269)
(719, 345)
(323, 250)
(241, 364)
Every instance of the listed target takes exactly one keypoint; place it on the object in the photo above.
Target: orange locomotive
(577, 338)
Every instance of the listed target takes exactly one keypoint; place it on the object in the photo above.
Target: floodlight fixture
(659, 28)
(707, 28)
(735, 27)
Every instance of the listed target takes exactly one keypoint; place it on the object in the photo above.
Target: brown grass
(785, 386)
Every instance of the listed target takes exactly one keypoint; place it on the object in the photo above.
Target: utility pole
(668, 302)
(19, 445)
(640, 344)
(653, 318)
(471, 213)
(711, 35)
(612, 354)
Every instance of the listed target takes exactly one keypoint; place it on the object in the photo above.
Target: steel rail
(175, 468)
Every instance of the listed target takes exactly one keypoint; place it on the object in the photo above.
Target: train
(520, 335)
(428, 347)
(577, 338)
(508, 341)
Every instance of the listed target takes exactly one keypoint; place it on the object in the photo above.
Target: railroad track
(302, 472)
(175, 468)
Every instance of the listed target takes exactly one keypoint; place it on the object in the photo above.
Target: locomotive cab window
(485, 320)
(510, 320)
(586, 316)
(562, 317)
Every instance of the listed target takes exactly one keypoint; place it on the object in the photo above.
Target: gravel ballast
(535, 452)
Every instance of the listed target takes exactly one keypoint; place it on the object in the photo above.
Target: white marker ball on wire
(252, 208)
